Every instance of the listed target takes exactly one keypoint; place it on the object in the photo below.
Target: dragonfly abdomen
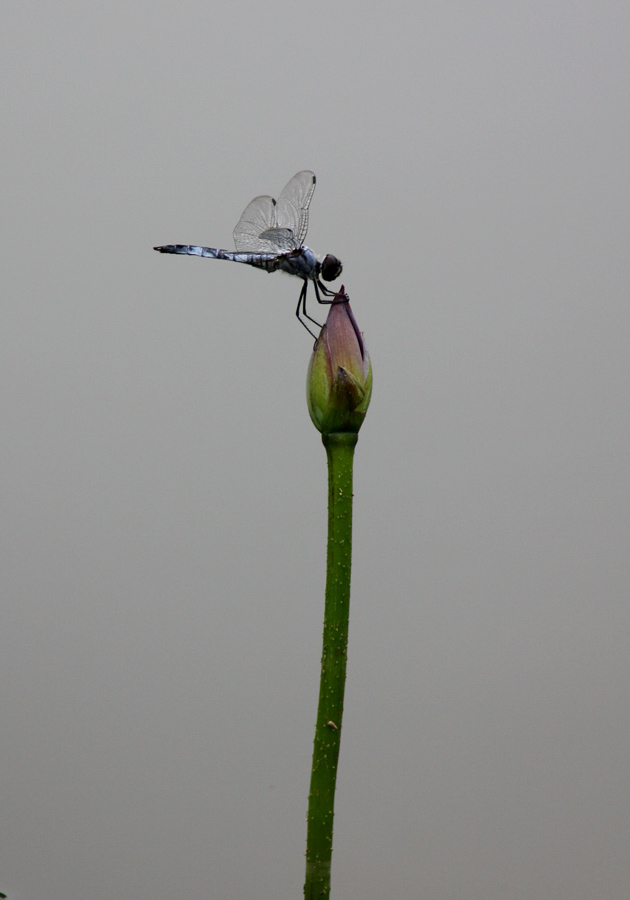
(269, 261)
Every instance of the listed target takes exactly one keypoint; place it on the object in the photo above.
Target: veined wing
(293, 203)
(270, 226)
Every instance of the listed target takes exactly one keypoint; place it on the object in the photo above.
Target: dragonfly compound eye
(331, 268)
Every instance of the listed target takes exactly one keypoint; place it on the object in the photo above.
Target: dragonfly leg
(327, 293)
(302, 304)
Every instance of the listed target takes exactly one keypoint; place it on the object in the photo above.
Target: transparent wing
(270, 226)
(293, 203)
(258, 219)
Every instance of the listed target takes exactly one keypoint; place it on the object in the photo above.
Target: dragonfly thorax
(305, 264)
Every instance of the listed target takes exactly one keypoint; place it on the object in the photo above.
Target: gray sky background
(164, 490)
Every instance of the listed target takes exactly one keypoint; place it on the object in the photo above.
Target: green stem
(321, 799)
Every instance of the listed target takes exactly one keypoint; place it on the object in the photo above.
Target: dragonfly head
(331, 268)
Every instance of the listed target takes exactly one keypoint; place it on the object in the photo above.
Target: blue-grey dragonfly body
(270, 235)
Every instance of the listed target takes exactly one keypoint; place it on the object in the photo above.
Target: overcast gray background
(164, 490)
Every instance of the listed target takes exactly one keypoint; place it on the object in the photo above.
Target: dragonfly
(270, 235)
